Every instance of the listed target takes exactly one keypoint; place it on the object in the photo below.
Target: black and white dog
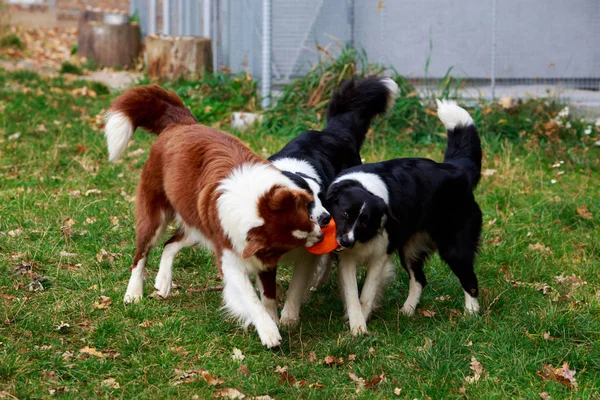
(314, 158)
(413, 206)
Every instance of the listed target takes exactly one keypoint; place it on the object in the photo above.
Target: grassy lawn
(67, 226)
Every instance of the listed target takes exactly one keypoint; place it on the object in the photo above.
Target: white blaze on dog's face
(287, 225)
(359, 215)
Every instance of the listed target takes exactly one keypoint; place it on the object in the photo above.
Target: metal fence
(487, 42)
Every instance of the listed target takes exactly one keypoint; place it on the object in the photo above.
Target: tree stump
(108, 39)
(171, 57)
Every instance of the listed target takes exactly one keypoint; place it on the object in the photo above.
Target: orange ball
(329, 242)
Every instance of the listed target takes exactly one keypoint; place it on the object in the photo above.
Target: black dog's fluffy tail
(357, 102)
(464, 146)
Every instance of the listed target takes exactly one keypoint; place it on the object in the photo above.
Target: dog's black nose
(324, 219)
(346, 242)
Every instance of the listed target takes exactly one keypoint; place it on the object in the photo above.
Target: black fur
(337, 147)
(424, 197)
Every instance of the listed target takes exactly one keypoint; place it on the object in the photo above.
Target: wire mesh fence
(534, 44)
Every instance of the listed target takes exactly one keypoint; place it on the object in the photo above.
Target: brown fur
(185, 167)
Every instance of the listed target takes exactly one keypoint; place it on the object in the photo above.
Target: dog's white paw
(359, 330)
(471, 304)
(132, 298)
(163, 285)
(135, 291)
(270, 337)
(288, 320)
(409, 309)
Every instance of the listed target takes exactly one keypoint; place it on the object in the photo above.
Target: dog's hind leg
(417, 281)
(379, 273)
(180, 240)
(304, 270)
(241, 299)
(150, 228)
(458, 251)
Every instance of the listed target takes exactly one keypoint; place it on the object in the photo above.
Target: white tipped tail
(118, 130)
(392, 88)
(452, 115)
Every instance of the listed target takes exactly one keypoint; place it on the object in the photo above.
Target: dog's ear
(387, 211)
(281, 198)
(255, 244)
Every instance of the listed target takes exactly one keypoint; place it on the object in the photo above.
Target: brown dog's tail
(148, 107)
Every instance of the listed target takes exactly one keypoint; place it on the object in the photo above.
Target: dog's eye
(363, 225)
(345, 214)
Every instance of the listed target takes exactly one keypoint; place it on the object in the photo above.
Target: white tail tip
(118, 131)
(452, 115)
(392, 88)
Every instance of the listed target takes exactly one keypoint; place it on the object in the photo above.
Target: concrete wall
(535, 38)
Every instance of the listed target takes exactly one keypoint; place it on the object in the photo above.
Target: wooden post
(171, 57)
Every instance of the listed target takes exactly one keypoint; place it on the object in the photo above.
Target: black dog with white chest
(313, 159)
(413, 206)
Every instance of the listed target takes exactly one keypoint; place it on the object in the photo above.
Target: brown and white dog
(224, 196)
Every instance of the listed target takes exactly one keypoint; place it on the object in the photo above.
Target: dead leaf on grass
(360, 382)
(15, 232)
(544, 396)
(211, 380)
(67, 254)
(352, 357)
(179, 350)
(228, 393)
(375, 380)
(244, 369)
(427, 313)
(330, 361)
(428, 344)
(284, 376)
(488, 172)
(478, 371)
(237, 354)
(397, 391)
(563, 375)
(92, 191)
(90, 351)
(103, 302)
(540, 247)
(111, 383)
(583, 212)
(572, 279)
(114, 221)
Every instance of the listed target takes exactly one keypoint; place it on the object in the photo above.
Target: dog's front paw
(408, 309)
(359, 330)
(163, 285)
(268, 333)
(288, 321)
(132, 298)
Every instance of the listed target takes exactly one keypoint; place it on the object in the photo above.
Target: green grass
(44, 210)
(11, 40)
(70, 68)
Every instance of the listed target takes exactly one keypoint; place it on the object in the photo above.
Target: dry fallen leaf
(573, 280)
(111, 383)
(539, 247)
(360, 382)
(352, 357)
(583, 212)
(244, 369)
(90, 351)
(103, 303)
(67, 254)
(15, 233)
(92, 191)
(284, 376)
(547, 336)
(488, 172)
(544, 396)
(237, 354)
(428, 344)
(331, 361)
(212, 381)
(179, 350)
(563, 375)
(375, 380)
(478, 371)
(135, 153)
(228, 393)
(427, 313)
(114, 221)
(312, 356)
(397, 391)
